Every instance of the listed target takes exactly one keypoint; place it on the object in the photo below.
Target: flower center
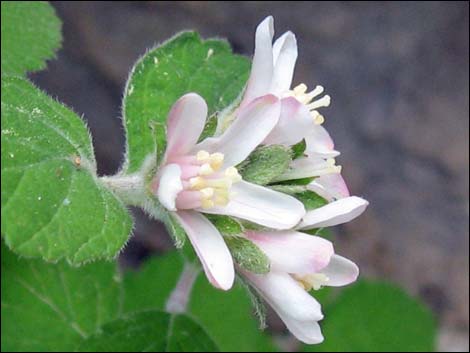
(307, 98)
(205, 185)
(314, 280)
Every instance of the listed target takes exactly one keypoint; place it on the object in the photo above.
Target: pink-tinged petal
(253, 123)
(293, 252)
(287, 297)
(262, 64)
(319, 142)
(337, 212)
(185, 123)
(261, 205)
(210, 248)
(330, 186)
(306, 167)
(308, 332)
(284, 56)
(294, 123)
(169, 186)
(340, 271)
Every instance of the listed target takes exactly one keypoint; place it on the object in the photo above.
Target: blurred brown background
(398, 74)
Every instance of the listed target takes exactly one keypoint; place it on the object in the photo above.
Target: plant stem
(179, 297)
(129, 188)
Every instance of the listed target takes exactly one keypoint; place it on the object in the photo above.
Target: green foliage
(181, 65)
(30, 36)
(376, 317)
(265, 164)
(150, 287)
(150, 331)
(298, 149)
(52, 204)
(49, 307)
(225, 224)
(247, 255)
(310, 199)
(209, 128)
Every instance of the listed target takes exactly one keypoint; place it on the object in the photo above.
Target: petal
(337, 212)
(262, 65)
(210, 248)
(284, 56)
(319, 142)
(169, 185)
(185, 123)
(293, 252)
(330, 186)
(286, 296)
(250, 128)
(294, 123)
(308, 332)
(261, 205)
(306, 167)
(340, 271)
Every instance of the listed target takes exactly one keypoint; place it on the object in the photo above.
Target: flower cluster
(199, 178)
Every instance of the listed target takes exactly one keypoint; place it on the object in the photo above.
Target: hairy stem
(129, 188)
(179, 297)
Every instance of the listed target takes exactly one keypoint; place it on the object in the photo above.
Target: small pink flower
(196, 178)
(299, 263)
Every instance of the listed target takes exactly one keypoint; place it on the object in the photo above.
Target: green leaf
(265, 163)
(298, 149)
(160, 140)
(49, 307)
(376, 317)
(52, 307)
(247, 255)
(209, 128)
(151, 331)
(181, 65)
(225, 224)
(301, 181)
(53, 205)
(150, 287)
(310, 199)
(30, 36)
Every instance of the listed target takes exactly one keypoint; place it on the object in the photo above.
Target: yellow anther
(202, 156)
(322, 102)
(222, 183)
(300, 89)
(207, 203)
(221, 199)
(314, 280)
(233, 174)
(319, 119)
(197, 183)
(207, 193)
(216, 160)
(206, 169)
(331, 162)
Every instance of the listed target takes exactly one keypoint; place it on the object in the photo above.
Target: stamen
(216, 160)
(322, 102)
(312, 281)
(202, 156)
(206, 169)
(300, 89)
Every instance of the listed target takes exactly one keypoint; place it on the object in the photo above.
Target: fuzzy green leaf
(265, 164)
(225, 224)
(310, 199)
(298, 149)
(53, 205)
(30, 36)
(247, 255)
(184, 64)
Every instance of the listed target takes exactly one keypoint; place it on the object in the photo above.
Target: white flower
(271, 73)
(299, 263)
(196, 178)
